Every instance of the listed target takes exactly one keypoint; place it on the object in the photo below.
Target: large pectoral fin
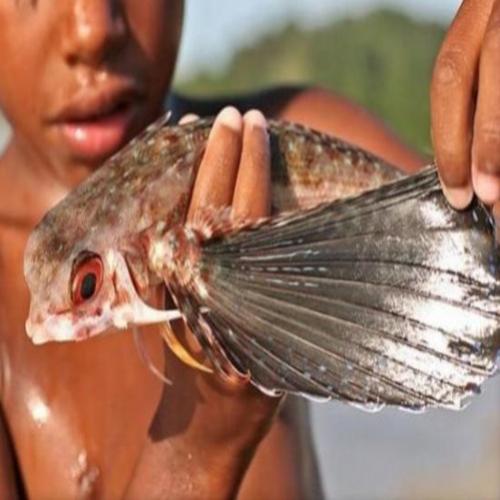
(387, 298)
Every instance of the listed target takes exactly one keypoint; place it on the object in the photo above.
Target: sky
(214, 29)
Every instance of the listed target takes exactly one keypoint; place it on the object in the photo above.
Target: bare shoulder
(320, 109)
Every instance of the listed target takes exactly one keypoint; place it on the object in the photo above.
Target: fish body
(387, 297)
(129, 203)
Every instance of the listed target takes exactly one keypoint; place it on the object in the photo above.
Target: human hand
(465, 105)
(219, 421)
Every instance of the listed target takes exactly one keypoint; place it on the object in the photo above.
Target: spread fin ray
(390, 297)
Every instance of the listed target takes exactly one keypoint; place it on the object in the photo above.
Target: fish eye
(86, 278)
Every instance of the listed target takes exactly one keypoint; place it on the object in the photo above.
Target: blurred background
(380, 54)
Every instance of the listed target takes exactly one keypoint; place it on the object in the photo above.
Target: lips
(94, 124)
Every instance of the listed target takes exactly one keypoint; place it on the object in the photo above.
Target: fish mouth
(65, 325)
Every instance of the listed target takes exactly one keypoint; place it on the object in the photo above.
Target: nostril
(71, 59)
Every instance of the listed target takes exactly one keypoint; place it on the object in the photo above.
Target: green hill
(383, 61)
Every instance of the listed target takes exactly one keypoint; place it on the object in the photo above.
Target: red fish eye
(87, 279)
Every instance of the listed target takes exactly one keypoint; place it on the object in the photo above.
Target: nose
(94, 30)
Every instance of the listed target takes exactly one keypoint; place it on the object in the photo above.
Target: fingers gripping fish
(362, 286)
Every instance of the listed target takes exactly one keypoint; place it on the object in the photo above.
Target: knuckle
(454, 153)
(453, 166)
(491, 44)
(450, 161)
(449, 70)
(453, 176)
(487, 146)
(488, 134)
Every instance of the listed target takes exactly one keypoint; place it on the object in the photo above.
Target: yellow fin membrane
(179, 350)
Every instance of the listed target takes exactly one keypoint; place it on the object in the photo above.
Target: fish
(363, 286)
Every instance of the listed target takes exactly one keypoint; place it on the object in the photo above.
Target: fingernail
(486, 186)
(458, 197)
(255, 118)
(230, 117)
(190, 117)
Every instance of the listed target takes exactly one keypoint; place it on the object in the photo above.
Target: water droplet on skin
(85, 474)
(40, 412)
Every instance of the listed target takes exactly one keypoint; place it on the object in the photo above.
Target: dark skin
(465, 105)
(89, 418)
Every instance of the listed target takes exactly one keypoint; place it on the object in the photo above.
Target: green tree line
(382, 60)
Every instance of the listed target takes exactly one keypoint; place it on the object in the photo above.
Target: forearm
(202, 438)
(173, 469)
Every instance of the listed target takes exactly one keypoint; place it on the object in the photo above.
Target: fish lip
(60, 327)
(37, 333)
(90, 104)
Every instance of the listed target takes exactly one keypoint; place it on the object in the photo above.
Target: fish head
(83, 262)
(83, 290)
